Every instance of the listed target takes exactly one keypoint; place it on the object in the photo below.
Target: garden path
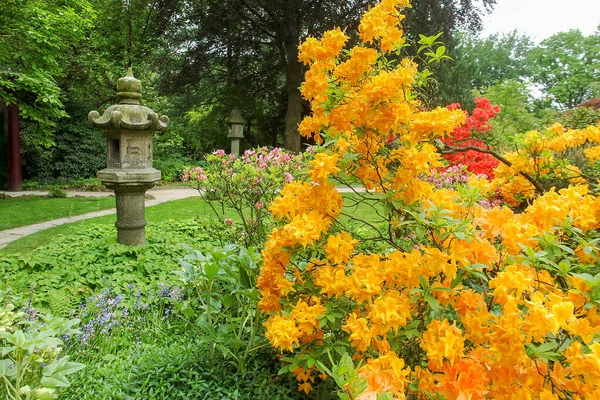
(159, 194)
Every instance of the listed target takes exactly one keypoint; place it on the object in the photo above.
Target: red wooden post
(14, 148)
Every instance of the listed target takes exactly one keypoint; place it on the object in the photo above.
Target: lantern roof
(235, 117)
(128, 113)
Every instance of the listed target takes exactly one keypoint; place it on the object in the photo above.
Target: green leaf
(245, 279)
(433, 303)
(440, 51)
(55, 381)
(7, 368)
(423, 282)
(211, 270)
(46, 393)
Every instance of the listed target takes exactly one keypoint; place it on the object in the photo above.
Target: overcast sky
(541, 18)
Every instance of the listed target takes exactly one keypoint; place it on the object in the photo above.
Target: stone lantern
(129, 171)
(236, 130)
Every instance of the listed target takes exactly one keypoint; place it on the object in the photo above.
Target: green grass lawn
(173, 210)
(17, 212)
(176, 210)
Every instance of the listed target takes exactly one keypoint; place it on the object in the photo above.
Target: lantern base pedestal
(235, 147)
(131, 221)
(112, 176)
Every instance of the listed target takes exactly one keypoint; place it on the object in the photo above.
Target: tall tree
(246, 43)
(567, 66)
(37, 40)
(479, 63)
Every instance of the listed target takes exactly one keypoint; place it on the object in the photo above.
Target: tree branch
(453, 149)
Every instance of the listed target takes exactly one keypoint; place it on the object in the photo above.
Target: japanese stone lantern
(129, 171)
(236, 130)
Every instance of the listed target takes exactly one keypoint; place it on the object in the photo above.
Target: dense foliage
(37, 38)
(74, 267)
(198, 335)
(566, 66)
(33, 364)
(473, 275)
(247, 185)
(466, 301)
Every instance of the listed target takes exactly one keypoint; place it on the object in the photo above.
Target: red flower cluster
(476, 162)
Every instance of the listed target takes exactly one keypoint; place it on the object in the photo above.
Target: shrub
(179, 369)
(172, 167)
(57, 192)
(247, 185)
(551, 158)
(475, 161)
(479, 303)
(32, 362)
(222, 303)
(152, 344)
(78, 151)
(579, 117)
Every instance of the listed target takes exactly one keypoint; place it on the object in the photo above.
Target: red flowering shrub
(476, 162)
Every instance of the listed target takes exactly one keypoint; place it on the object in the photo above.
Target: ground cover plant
(138, 336)
(71, 268)
(33, 363)
(198, 336)
(32, 210)
(466, 300)
(148, 344)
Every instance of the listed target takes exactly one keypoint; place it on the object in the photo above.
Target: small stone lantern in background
(129, 169)
(236, 130)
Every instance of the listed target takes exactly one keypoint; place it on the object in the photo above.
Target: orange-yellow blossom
(339, 248)
(360, 333)
(306, 316)
(442, 341)
(282, 332)
(385, 374)
(323, 166)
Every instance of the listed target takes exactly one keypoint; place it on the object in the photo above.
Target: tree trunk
(293, 114)
(14, 148)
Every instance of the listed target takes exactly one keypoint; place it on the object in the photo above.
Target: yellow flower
(308, 50)
(360, 62)
(438, 122)
(389, 312)
(306, 316)
(332, 43)
(323, 166)
(442, 341)
(331, 280)
(282, 332)
(386, 374)
(513, 281)
(339, 248)
(360, 334)
(593, 153)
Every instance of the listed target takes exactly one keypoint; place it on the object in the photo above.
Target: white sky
(540, 19)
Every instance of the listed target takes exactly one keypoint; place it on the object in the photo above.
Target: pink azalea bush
(247, 185)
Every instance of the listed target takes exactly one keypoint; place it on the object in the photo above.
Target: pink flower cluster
(449, 177)
(264, 158)
(197, 174)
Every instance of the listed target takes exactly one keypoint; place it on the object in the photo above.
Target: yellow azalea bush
(555, 157)
(436, 295)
